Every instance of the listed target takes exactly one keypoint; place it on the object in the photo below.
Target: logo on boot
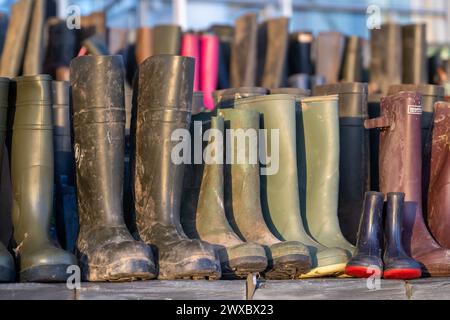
(414, 109)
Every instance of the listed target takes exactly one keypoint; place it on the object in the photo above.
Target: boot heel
(45, 273)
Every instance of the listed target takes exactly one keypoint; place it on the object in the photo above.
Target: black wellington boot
(367, 258)
(397, 264)
(107, 251)
(164, 102)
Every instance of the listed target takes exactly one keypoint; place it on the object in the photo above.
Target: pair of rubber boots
(368, 260)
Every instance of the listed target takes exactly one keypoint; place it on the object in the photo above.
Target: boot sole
(289, 267)
(334, 270)
(189, 269)
(362, 272)
(402, 274)
(6, 275)
(243, 266)
(140, 270)
(45, 274)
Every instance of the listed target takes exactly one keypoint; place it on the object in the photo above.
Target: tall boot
(352, 65)
(164, 103)
(16, 37)
(244, 52)
(330, 52)
(225, 98)
(280, 190)
(203, 212)
(226, 35)
(107, 251)
(287, 259)
(439, 177)
(34, 54)
(300, 47)
(414, 48)
(367, 260)
(274, 53)
(397, 264)
(318, 155)
(190, 47)
(166, 39)
(373, 106)
(32, 181)
(144, 44)
(209, 67)
(354, 175)
(6, 261)
(401, 170)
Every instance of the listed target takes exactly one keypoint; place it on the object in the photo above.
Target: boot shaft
(4, 94)
(144, 44)
(329, 54)
(353, 60)
(34, 54)
(166, 40)
(414, 48)
(300, 45)
(393, 224)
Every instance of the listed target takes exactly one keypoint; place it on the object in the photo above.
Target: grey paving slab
(429, 289)
(34, 291)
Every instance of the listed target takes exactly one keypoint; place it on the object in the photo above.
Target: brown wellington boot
(401, 171)
(144, 44)
(330, 48)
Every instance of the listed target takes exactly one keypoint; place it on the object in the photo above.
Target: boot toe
(402, 268)
(364, 266)
(240, 260)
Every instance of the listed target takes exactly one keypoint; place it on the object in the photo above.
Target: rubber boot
(65, 193)
(166, 39)
(439, 176)
(373, 105)
(414, 48)
(301, 81)
(274, 52)
(4, 19)
(354, 168)
(96, 46)
(280, 189)
(190, 47)
(300, 47)
(397, 264)
(330, 48)
(144, 44)
(32, 181)
(386, 57)
(287, 259)
(209, 67)
(352, 65)
(34, 53)
(225, 98)
(107, 251)
(318, 159)
(226, 35)
(7, 272)
(244, 52)
(367, 261)
(16, 37)
(400, 136)
(164, 102)
(203, 213)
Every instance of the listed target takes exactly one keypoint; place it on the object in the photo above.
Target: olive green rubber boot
(203, 211)
(287, 259)
(32, 182)
(6, 261)
(280, 189)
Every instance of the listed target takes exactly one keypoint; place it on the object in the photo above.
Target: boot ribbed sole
(289, 267)
(190, 269)
(240, 268)
(327, 271)
(6, 275)
(45, 274)
(122, 271)
(362, 271)
(402, 274)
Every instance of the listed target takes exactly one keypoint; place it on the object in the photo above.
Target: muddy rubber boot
(300, 47)
(318, 152)
(106, 249)
(400, 122)
(397, 264)
(7, 272)
(280, 189)
(225, 98)
(244, 52)
(164, 102)
(226, 35)
(352, 65)
(203, 212)
(32, 181)
(166, 39)
(414, 48)
(287, 259)
(34, 53)
(367, 260)
(144, 44)
(16, 38)
(439, 176)
(354, 168)
(274, 53)
(330, 48)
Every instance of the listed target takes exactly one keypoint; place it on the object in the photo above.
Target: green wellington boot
(287, 259)
(280, 191)
(32, 181)
(203, 212)
(6, 261)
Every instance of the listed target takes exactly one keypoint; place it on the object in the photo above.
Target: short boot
(352, 65)
(164, 103)
(280, 187)
(106, 249)
(226, 98)
(32, 181)
(397, 264)
(318, 159)
(439, 176)
(330, 48)
(300, 48)
(354, 167)
(287, 259)
(34, 53)
(144, 44)
(166, 39)
(244, 52)
(367, 261)
(203, 213)
(414, 49)
(400, 122)
(190, 47)
(226, 35)
(209, 67)
(16, 38)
